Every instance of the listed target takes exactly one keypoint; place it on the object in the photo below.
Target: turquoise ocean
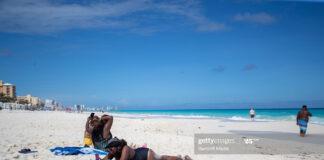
(230, 114)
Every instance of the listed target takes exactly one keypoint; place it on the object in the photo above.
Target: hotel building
(8, 89)
(30, 99)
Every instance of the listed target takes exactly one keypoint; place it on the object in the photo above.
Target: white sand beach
(43, 130)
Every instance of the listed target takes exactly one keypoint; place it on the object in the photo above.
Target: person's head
(304, 107)
(115, 146)
(95, 122)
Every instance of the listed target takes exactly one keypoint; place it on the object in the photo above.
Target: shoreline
(199, 117)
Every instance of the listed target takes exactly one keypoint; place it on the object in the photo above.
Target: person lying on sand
(119, 150)
(99, 128)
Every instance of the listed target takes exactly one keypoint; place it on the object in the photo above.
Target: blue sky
(165, 54)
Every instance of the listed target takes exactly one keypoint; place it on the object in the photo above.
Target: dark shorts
(252, 116)
(140, 154)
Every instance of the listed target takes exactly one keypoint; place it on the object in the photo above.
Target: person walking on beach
(302, 120)
(99, 128)
(119, 150)
(252, 114)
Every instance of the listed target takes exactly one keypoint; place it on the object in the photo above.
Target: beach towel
(76, 150)
(302, 125)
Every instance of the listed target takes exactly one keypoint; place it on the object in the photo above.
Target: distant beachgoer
(99, 128)
(252, 114)
(119, 150)
(302, 120)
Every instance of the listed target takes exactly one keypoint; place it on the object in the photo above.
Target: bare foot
(187, 157)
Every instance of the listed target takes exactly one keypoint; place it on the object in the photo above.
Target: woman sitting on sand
(119, 150)
(100, 130)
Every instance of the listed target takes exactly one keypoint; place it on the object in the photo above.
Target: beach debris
(186, 157)
(26, 150)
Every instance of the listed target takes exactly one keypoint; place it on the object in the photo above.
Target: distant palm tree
(4, 98)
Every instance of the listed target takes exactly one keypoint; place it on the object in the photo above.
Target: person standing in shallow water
(252, 114)
(302, 120)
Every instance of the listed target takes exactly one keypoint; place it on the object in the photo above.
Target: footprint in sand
(16, 157)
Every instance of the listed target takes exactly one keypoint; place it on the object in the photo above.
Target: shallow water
(231, 114)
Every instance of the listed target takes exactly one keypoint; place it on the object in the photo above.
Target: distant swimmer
(252, 114)
(302, 120)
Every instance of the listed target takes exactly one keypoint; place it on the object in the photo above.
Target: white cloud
(249, 67)
(7, 52)
(212, 26)
(262, 18)
(44, 16)
(122, 101)
(218, 69)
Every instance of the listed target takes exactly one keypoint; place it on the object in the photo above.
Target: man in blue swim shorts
(302, 120)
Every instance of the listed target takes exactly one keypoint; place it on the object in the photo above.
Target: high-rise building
(60, 106)
(49, 103)
(8, 89)
(78, 107)
(30, 99)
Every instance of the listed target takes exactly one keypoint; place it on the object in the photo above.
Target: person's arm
(298, 117)
(108, 124)
(309, 114)
(125, 153)
(87, 127)
(108, 157)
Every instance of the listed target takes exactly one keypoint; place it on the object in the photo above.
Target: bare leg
(302, 133)
(154, 156)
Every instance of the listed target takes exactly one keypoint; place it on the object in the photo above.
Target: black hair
(120, 145)
(305, 107)
(97, 132)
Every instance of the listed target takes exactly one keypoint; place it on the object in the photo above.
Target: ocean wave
(260, 118)
(238, 118)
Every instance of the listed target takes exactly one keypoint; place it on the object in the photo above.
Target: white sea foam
(258, 118)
